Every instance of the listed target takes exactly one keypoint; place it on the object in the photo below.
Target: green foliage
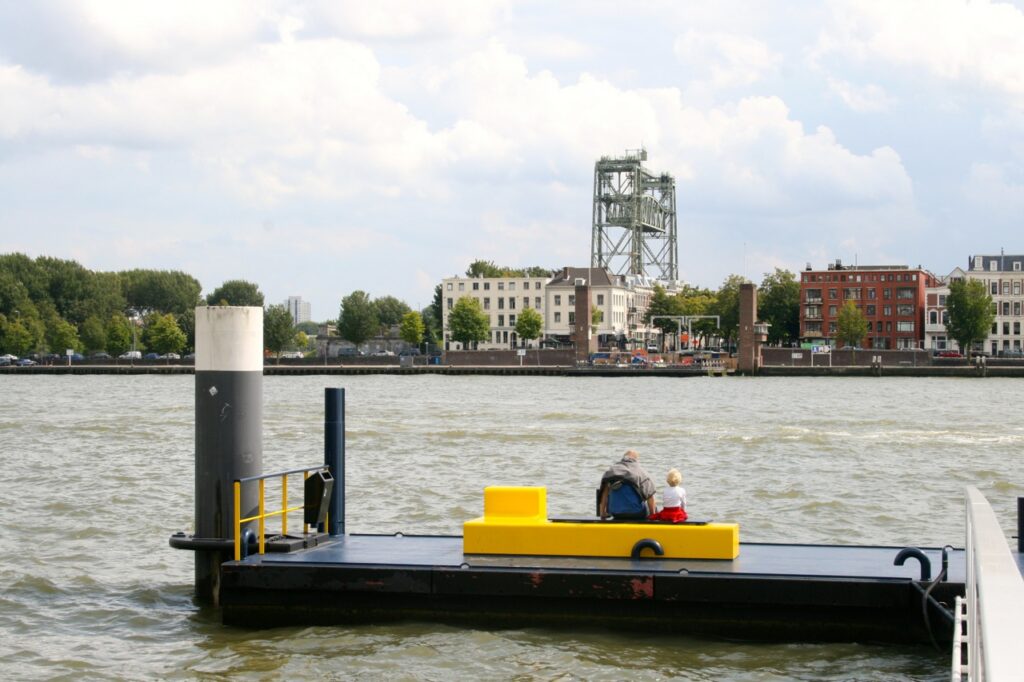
(663, 304)
(166, 291)
(278, 330)
(358, 319)
(163, 334)
(778, 304)
(851, 325)
(62, 335)
(302, 341)
(310, 328)
(529, 324)
(412, 328)
(727, 307)
(236, 292)
(390, 310)
(16, 338)
(467, 321)
(486, 268)
(119, 334)
(971, 313)
(94, 334)
(435, 320)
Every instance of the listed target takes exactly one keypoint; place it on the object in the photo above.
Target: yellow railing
(262, 514)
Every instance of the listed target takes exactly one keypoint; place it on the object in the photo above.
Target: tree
(663, 304)
(358, 319)
(529, 324)
(412, 328)
(94, 334)
(779, 305)
(467, 321)
(163, 335)
(971, 313)
(236, 292)
(119, 334)
(483, 268)
(310, 328)
(278, 330)
(390, 310)
(727, 307)
(302, 340)
(596, 318)
(851, 325)
(16, 338)
(165, 291)
(436, 318)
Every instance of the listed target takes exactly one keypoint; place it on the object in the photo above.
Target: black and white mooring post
(229, 428)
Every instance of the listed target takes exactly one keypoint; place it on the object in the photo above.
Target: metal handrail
(994, 595)
(262, 513)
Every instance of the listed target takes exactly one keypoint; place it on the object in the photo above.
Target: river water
(98, 472)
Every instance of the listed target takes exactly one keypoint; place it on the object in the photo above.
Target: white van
(131, 355)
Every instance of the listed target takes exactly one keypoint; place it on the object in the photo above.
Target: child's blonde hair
(674, 478)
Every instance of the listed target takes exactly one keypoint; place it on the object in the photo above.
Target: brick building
(890, 297)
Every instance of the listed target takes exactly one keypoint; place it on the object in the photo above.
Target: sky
(317, 148)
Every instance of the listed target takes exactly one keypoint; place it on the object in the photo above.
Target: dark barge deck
(770, 592)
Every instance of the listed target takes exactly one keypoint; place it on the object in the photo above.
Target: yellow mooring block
(515, 522)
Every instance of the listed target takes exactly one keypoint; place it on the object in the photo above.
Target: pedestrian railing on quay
(990, 625)
(262, 514)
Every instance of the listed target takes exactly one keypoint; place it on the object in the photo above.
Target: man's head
(632, 454)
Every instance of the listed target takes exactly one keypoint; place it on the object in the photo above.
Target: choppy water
(97, 472)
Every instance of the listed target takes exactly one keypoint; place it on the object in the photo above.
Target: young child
(673, 500)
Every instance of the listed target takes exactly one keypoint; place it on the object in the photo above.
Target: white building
(1003, 277)
(622, 300)
(298, 309)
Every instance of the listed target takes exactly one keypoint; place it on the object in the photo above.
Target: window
(995, 288)
(1006, 308)
(536, 302)
(871, 311)
(526, 301)
(1006, 288)
(1006, 328)
(501, 286)
(887, 292)
(449, 304)
(945, 317)
(558, 317)
(1016, 308)
(872, 294)
(501, 303)
(526, 286)
(833, 293)
(813, 295)
(813, 312)
(536, 285)
(572, 299)
(977, 262)
(511, 286)
(904, 309)
(487, 303)
(933, 317)
(511, 303)
(886, 310)
(558, 299)
(942, 299)
(831, 327)
(501, 319)
(1016, 288)
(449, 286)
(462, 286)
(511, 320)
(1016, 266)
(572, 317)
(476, 286)
(904, 293)
(600, 299)
(888, 325)
(487, 286)
(812, 328)
(851, 294)
(992, 265)
(832, 311)
(1016, 328)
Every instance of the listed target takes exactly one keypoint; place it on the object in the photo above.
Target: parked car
(151, 356)
(949, 354)
(4, 362)
(169, 356)
(25, 362)
(292, 354)
(9, 357)
(100, 356)
(75, 357)
(131, 355)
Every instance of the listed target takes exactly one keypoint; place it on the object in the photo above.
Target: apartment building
(1003, 277)
(622, 300)
(891, 298)
(299, 309)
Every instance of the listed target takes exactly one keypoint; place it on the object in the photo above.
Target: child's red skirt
(673, 514)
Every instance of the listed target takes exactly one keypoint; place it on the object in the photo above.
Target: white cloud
(411, 19)
(972, 41)
(728, 60)
(864, 98)
(994, 187)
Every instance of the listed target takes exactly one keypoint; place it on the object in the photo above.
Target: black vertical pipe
(334, 456)
(1020, 525)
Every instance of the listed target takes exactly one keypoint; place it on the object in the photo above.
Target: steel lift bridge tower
(634, 218)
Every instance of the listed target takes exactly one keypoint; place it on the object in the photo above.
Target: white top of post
(229, 339)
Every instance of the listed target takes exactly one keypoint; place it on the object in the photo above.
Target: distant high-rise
(299, 309)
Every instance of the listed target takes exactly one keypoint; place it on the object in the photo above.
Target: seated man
(627, 492)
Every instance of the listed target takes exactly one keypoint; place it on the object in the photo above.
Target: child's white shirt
(674, 496)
